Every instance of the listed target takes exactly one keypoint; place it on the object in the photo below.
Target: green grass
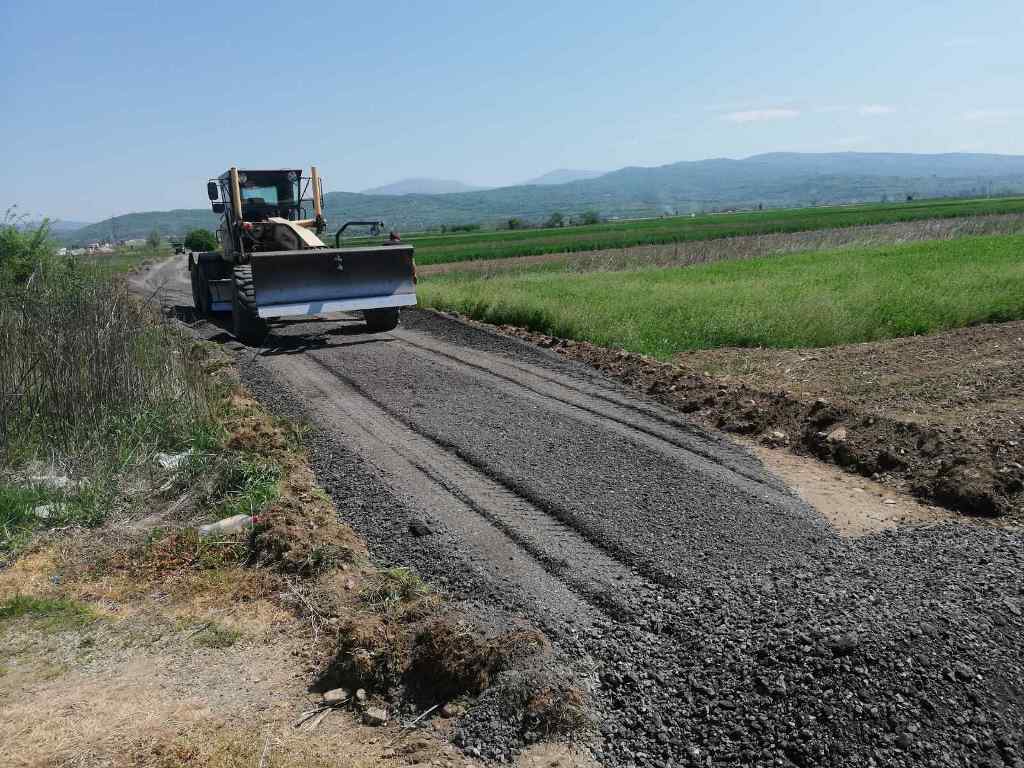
(798, 300)
(216, 636)
(56, 615)
(124, 259)
(243, 485)
(392, 587)
(86, 506)
(438, 249)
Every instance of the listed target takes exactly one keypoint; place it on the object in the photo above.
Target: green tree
(555, 220)
(201, 240)
(515, 223)
(153, 239)
(591, 217)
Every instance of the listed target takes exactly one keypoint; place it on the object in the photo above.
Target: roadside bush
(201, 240)
(90, 378)
(23, 252)
(87, 367)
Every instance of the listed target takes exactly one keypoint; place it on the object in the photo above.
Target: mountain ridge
(423, 186)
(561, 176)
(779, 179)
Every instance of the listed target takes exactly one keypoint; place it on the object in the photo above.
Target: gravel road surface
(718, 618)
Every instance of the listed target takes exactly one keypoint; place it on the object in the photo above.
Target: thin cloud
(862, 109)
(992, 115)
(760, 115)
(876, 109)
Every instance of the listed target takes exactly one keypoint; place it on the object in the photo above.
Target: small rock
(777, 437)
(889, 501)
(336, 695)
(963, 672)
(704, 688)
(844, 644)
(375, 716)
(452, 710)
(837, 435)
(46, 511)
(888, 459)
(361, 695)
(904, 741)
(419, 528)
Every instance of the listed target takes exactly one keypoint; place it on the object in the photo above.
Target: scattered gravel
(756, 636)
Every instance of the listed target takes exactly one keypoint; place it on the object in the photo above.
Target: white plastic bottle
(225, 526)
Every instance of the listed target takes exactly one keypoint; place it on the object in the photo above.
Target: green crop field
(798, 300)
(438, 249)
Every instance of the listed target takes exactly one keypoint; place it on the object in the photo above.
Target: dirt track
(711, 609)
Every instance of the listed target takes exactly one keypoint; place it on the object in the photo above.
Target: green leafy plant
(201, 240)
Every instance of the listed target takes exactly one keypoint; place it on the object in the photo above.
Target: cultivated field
(745, 246)
(438, 249)
(798, 300)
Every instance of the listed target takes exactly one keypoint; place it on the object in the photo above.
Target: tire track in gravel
(518, 538)
(613, 411)
(631, 492)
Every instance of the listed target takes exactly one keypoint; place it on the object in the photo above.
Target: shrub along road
(718, 619)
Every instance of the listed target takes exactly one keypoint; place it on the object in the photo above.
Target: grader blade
(322, 280)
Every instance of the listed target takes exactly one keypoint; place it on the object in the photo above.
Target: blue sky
(113, 107)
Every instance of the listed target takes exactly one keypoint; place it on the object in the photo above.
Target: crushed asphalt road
(716, 617)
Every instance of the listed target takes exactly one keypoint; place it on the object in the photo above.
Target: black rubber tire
(200, 290)
(249, 327)
(193, 274)
(380, 320)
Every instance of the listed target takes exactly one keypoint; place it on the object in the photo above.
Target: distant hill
(564, 176)
(134, 225)
(60, 226)
(772, 180)
(57, 226)
(422, 187)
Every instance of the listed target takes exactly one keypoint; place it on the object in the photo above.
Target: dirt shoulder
(141, 643)
(938, 417)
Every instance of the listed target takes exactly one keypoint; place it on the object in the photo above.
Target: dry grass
(87, 364)
(450, 658)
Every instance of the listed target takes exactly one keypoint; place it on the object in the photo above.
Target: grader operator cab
(272, 262)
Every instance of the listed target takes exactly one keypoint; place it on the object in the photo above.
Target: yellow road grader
(273, 264)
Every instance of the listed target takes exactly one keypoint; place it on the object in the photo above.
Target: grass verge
(798, 300)
(53, 613)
